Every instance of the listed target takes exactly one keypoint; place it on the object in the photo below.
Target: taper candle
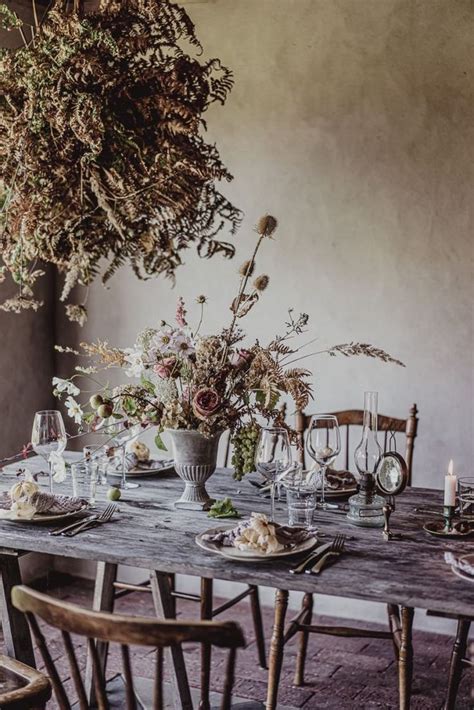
(450, 484)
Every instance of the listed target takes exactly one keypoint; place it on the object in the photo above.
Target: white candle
(450, 483)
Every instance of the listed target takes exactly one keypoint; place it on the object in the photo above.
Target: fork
(75, 524)
(335, 551)
(105, 517)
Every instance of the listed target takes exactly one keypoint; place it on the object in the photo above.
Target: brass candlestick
(448, 517)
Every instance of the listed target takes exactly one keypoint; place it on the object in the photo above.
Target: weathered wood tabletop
(149, 533)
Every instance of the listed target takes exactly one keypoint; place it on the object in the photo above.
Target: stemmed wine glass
(273, 458)
(121, 433)
(48, 436)
(323, 444)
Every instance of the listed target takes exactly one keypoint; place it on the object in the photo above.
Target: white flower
(135, 362)
(58, 466)
(85, 370)
(162, 342)
(61, 385)
(74, 410)
(182, 345)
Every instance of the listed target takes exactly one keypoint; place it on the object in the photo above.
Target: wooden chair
(302, 623)
(123, 630)
(22, 687)
(459, 656)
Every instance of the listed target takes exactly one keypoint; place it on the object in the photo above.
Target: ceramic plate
(340, 493)
(460, 573)
(232, 553)
(143, 472)
(45, 518)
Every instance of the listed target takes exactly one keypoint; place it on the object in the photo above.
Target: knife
(311, 558)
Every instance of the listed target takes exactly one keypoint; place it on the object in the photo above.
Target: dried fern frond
(365, 349)
(102, 152)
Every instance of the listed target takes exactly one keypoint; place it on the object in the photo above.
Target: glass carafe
(366, 507)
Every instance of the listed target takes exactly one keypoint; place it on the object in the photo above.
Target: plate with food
(256, 538)
(138, 462)
(26, 503)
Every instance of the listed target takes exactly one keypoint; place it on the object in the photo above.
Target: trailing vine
(102, 154)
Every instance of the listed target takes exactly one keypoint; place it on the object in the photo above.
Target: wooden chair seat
(22, 687)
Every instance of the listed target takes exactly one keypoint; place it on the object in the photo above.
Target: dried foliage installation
(101, 148)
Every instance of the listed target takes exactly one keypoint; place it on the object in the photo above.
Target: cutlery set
(85, 524)
(315, 562)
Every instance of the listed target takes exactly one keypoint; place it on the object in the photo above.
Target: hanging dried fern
(101, 148)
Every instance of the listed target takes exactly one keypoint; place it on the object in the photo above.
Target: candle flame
(451, 468)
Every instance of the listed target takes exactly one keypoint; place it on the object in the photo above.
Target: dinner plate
(232, 553)
(460, 573)
(39, 518)
(339, 493)
(143, 472)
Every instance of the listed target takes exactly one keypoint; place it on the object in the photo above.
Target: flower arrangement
(183, 379)
(102, 155)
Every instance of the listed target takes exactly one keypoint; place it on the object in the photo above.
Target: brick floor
(341, 673)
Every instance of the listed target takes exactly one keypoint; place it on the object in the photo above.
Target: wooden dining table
(149, 533)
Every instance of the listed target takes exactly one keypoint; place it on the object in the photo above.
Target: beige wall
(351, 121)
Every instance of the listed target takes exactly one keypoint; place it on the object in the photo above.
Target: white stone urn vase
(195, 460)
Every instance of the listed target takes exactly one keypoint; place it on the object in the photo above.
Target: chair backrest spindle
(125, 631)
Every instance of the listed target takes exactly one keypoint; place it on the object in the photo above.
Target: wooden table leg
(16, 631)
(405, 661)
(206, 615)
(165, 607)
(106, 575)
(276, 648)
(455, 666)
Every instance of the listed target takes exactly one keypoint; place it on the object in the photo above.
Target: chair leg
(405, 663)
(304, 636)
(206, 615)
(276, 648)
(162, 585)
(455, 667)
(16, 632)
(258, 625)
(106, 575)
(393, 612)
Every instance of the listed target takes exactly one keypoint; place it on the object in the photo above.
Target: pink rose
(241, 359)
(166, 368)
(206, 402)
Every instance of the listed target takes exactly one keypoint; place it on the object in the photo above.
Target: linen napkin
(258, 534)
(24, 500)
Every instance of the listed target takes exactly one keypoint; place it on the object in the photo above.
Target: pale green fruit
(114, 493)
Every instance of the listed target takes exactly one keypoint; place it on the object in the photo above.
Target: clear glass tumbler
(84, 480)
(466, 498)
(301, 505)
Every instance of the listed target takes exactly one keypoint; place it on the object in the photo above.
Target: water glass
(301, 505)
(98, 455)
(84, 480)
(466, 498)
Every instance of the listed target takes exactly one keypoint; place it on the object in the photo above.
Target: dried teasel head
(266, 225)
(247, 268)
(261, 282)
(201, 299)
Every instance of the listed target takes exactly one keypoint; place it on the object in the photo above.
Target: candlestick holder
(448, 517)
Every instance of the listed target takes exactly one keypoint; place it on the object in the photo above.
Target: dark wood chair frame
(302, 623)
(458, 660)
(104, 628)
(33, 691)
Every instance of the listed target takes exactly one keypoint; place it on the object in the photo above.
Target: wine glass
(323, 444)
(48, 436)
(273, 458)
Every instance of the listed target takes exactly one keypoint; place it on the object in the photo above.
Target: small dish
(167, 467)
(464, 575)
(437, 527)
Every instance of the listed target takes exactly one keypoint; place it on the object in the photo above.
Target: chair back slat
(75, 671)
(350, 418)
(61, 697)
(124, 630)
(99, 680)
(229, 681)
(158, 703)
(127, 673)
